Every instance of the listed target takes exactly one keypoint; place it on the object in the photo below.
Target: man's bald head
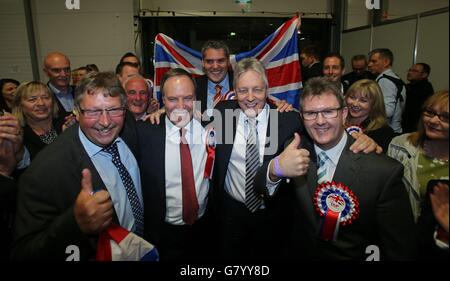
(57, 68)
(138, 95)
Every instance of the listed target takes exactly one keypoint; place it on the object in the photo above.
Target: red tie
(218, 95)
(190, 203)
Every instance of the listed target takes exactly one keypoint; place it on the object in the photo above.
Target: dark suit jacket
(417, 92)
(202, 89)
(385, 218)
(152, 145)
(8, 191)
(315, 70)
(152, 141)
(45, 223)
(288, 124)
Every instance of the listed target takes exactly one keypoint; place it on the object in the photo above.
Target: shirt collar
(172, 129)
(261, 118)
(91, 148)
(224, 83)
(56, 90)
(335, 152)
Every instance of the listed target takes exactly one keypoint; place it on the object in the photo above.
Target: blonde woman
(36, 110)
(424, 153)
(366, 110)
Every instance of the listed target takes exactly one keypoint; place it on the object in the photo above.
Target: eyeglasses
(327, 114)
(96, 113)
(431, 113)
(58, 70)
(245, 91)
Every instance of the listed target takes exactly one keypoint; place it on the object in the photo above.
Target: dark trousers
(248, 236)
(186, 242)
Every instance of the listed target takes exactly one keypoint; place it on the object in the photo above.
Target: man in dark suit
(363, 193)
(175, 186)
(217, 81)
(57, 68)
(249, 231)
(359, 67)
(418, 90)
(311, 65)
(73, 190)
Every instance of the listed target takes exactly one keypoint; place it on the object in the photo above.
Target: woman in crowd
(366, 110)
(424, 155)
(8, 88)
(36, 110)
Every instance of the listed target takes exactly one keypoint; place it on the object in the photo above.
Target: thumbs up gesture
(93, 211)
(292, 162)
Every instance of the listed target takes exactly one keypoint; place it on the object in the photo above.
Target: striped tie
(251, 166)
(218, 95)
(321, 171)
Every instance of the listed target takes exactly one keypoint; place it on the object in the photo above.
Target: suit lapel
(161, 159)
(347, 168)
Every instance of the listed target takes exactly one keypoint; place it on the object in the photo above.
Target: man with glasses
(57, 68)
(345, 202)
(254, 222)
(86, 180)
(417, 91)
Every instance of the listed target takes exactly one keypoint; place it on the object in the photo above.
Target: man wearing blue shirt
(86, 180)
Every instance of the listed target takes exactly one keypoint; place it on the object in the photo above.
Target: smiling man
(217, 80)
(173, 164)
(345, 201)
(138, 96)
(251, 224)
(333, 70)
(57, 68)
(87, 179)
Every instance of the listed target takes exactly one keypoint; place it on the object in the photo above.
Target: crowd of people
(364, 161)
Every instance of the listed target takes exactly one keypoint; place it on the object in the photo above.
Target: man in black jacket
(417, 91)
(78, 186)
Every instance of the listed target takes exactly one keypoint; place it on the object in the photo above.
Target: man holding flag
(278, 52)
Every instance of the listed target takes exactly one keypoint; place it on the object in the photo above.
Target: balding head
(138, 95)
(57, 68)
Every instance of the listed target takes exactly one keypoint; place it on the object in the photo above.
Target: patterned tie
(189, 196)
(321, 171)
(136, 207)
(218, 95)
(252, 202)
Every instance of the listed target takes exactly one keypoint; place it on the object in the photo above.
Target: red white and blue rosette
(354, 129)
(338, 205)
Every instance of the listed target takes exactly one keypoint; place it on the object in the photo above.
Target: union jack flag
(278, 52)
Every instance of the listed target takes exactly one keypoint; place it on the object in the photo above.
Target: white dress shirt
(333, 154)
(196, 138)
(235, 177)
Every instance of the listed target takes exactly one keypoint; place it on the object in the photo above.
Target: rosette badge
(354, 129)
(338, 205)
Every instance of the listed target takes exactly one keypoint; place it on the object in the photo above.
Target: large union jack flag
(278, 52)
